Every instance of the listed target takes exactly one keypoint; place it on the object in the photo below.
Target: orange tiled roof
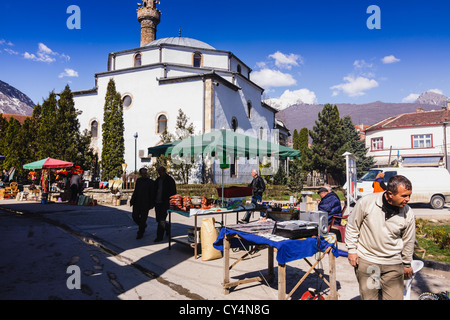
(20, 117)
(423, 118)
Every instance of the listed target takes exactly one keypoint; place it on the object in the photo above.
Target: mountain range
(304, 115)
(13, 101)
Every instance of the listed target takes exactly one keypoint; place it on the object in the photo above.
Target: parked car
(430, 185)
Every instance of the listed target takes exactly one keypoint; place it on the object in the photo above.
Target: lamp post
(136, 136)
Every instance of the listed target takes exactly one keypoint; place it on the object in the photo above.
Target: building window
(127, 101)
(377, 144)
(94, 129)
(162, 123)
(422, 141)
(197, 60)
(239, 69)
(249, 109)
(137, 60)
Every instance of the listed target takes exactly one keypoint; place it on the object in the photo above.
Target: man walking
(165, 188)
(380, 237)
(142, 201)
(259, 187)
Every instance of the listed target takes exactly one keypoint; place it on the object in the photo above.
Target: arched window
(94, 129)
(249, 109)
(162, 123)
(137, 60)
(234, 124)
(197, 60)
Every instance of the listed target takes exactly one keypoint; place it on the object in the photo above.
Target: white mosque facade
(212, 87)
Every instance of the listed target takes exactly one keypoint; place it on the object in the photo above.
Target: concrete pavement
(112, 230)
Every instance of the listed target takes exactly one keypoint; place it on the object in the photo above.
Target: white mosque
(212, 87)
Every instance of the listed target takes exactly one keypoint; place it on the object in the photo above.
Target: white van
(429, 185)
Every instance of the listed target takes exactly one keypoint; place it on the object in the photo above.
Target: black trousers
(161, 216)
(140, 216)
(73, 192)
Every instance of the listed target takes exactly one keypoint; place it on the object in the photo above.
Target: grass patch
(434, 237)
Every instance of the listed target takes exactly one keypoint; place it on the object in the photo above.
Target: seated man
(330, 203)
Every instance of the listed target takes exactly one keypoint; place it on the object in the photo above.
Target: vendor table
(287, 251)
(196, 214)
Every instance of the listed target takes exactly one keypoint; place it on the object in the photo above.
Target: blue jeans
(255, 200)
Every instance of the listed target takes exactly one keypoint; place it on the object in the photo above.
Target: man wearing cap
(330, 203)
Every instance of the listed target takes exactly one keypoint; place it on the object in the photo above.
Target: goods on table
(178, 202)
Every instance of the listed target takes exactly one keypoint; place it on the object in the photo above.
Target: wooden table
(282, 295)
(184, 239)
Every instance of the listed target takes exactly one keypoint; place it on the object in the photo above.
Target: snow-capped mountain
(13, 101)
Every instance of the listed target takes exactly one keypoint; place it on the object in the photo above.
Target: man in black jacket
(142, 200)
(165, 188)
(259, 187)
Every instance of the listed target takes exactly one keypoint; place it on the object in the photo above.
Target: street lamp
(136, 136)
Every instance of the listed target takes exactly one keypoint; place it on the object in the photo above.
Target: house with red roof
(411, 139)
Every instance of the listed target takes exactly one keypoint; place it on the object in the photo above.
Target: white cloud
(411, 97)
(284, 61)
(354, 87)
(6, 43)
(68, 73)
(44, 54)
(289, 98)
(10, 51)
(390, 59)
(268, 78)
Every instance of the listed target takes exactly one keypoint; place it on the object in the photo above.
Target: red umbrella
(48, 163)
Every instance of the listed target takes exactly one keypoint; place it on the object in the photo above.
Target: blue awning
(421, 161)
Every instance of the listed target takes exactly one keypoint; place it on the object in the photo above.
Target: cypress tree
(48, 129)
(113, 130)
(325, 154)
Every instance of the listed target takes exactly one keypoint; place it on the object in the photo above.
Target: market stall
(46, 165)
(288, 250)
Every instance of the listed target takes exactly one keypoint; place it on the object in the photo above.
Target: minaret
(149, 17)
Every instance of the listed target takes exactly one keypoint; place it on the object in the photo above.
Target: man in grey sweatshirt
(380, 237)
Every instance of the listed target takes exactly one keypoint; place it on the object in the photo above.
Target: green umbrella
(224, 145)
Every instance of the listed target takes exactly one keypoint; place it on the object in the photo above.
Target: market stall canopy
(223, 144)
(48, 163)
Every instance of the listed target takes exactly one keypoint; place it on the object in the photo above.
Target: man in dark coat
(165, 188)
(259, 187)
(330, 203)
(75, 187)
(142, 200)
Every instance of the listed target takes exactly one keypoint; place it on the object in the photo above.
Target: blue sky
(316, 51)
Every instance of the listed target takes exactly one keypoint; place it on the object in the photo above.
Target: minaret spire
(149, 17)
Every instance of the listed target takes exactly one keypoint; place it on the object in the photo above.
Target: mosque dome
(180, 41)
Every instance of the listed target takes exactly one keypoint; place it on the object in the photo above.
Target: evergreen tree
(113, 130)
(303, 139)
(295, 140)
(12, 146)
(48, 128)
(279, 177)
(3, 128)
(355, 145)
(68, 128)
(325, 154)
(295, 179)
